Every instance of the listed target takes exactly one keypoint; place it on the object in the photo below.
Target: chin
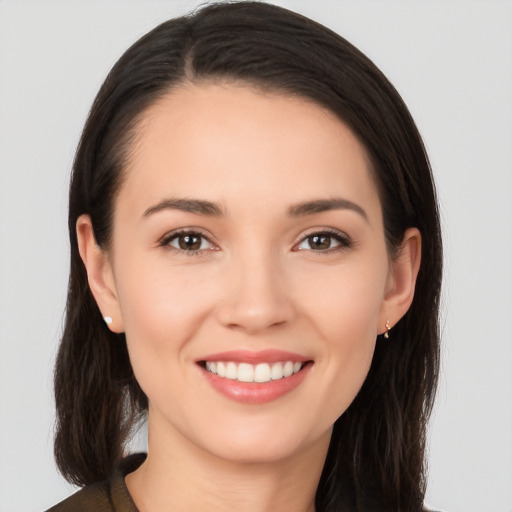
(273, 446)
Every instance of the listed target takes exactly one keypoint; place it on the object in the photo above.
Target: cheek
(160, 298)
(162, 312)
(162, 309)
(344, 303)
(345, 318)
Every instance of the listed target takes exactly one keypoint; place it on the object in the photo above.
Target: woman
(255, 266)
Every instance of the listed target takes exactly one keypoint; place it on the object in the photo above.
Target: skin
(258, 282)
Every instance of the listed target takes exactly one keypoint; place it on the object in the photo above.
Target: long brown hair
(376, 459)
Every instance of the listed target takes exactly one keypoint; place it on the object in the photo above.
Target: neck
(178, 476)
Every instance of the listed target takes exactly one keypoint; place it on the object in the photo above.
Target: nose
(256, 295)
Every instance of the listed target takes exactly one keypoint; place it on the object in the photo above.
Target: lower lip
(255, 392)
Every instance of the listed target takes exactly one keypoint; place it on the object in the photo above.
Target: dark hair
(376, 456)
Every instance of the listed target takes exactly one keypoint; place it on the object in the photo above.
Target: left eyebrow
(324, 205)
(197, 206)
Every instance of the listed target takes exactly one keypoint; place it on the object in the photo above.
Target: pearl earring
(108, 320)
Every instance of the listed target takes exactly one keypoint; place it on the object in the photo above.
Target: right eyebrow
(197, 206)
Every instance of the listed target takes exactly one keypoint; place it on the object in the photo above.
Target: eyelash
(343, 240)
(167, 239)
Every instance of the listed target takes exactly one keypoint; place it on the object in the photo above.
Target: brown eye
(324, 242)
(319, 242)
(190, 242)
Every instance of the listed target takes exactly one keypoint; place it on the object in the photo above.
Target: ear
(404, 270)
(99, 274)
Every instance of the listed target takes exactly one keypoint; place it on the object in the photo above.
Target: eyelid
(345, 242)
(165, 240)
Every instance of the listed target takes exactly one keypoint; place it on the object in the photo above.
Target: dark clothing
(108, 496)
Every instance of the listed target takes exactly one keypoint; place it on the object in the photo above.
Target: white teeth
(221, 369)
(245, 372)
(262, 373)
(231, 372)
(277, 371)
(288, 369)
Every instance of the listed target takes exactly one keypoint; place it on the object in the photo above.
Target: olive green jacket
(108, 496)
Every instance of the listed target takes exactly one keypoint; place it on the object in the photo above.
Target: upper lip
(255, 357)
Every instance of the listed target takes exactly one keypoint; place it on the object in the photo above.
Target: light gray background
(451, 61)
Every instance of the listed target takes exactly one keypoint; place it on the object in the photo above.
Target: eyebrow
(324, 205)
(210, 209)
(197, 206)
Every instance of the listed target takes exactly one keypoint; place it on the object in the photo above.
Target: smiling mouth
(259, 373)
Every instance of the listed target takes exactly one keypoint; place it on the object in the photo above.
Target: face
(248, 269)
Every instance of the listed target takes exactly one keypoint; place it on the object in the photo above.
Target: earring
(388, 327)
(108, 320)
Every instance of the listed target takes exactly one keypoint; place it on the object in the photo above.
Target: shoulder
(93, 497)
(108, 496)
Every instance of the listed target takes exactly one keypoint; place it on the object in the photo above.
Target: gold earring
(108, 320)
(388, 327)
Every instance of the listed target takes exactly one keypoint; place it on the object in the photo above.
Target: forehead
(223, 140)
